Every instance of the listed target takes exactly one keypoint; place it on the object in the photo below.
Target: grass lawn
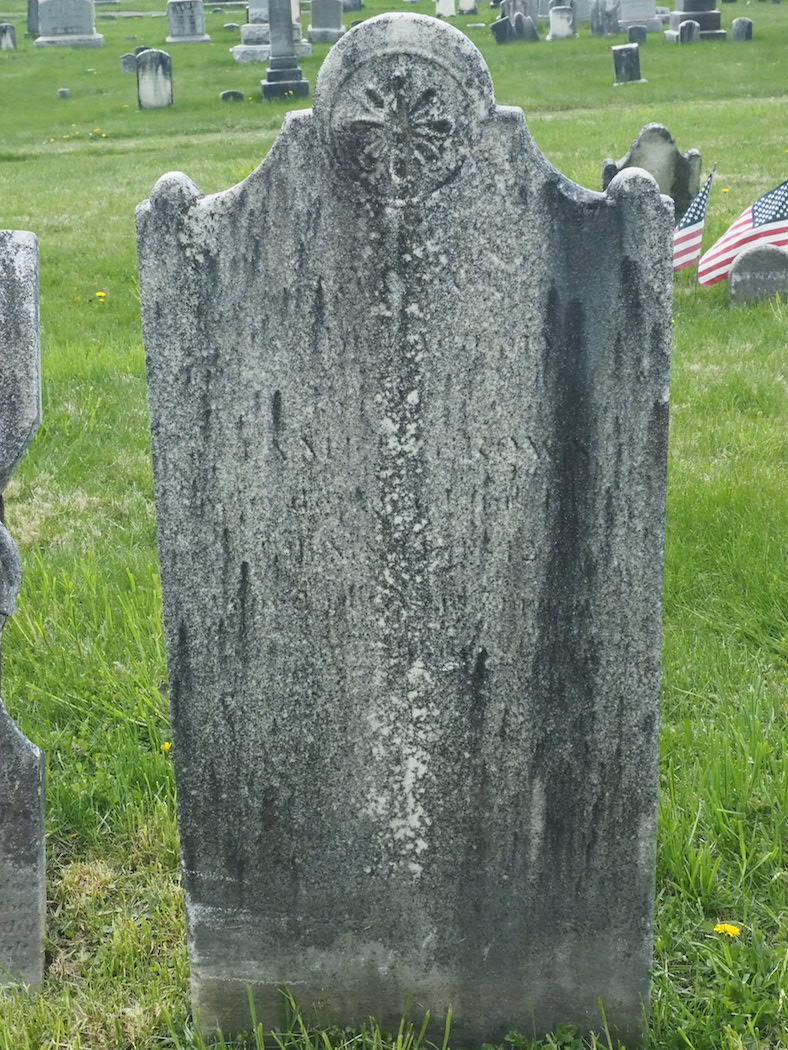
(84, 671)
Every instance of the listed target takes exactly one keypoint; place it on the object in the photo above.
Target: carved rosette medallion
(400, 127)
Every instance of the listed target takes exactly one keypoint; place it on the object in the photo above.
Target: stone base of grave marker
(324, 36)
(200, 38)
(81, 40)
(415, 550)
(282, 79)
(706, 19)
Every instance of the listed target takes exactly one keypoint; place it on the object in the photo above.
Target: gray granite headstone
(352, 5)
(530, 29)
(626, 64)
(7, 37)
(604, 17)
(655, 150)
(741, 29)
(637, 35)
(688, 31)
(258, 12)
(22, 884)
(562, 23)
(128, 63)
(186, 22)
(411, 556)
(759, 272)
(154, 79)
(283, 78)
(32, 18)
(326, 22)
(703, 12)
(64, 93)
(67, 23)
(502, 30)
(466, 7)
(232, 96)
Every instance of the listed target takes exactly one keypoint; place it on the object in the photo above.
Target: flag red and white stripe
(764, 222)
(688, 234)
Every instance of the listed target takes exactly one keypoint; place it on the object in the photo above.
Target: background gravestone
(655, 150)
(22, 885)
(741, 29)
(703, 12)
(626, 64)
(67, 23)
(758, 272)
(32, 18)
(7, 37)
(186, 22)
(326, 22)
(411, 556)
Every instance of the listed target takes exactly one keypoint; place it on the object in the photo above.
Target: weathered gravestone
(639, 12)
(562, 23)
(128, 63)
(154, 79)
(467, 7)
(7, 37)
(32, 18)
(67, 23)
(655, 150)
(445, 9)
(758, 272)
(326, 22)
(741, 30)
(626, 64)
(283, 77)
(604, 17)
(502, 29)
(701, 11)
(186, 22)
(411, 556)
(22, 884)
(637, 35)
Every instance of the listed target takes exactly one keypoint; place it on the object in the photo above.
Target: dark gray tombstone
(232, 96)
(22, 883)
(283, 77)
(154, 79)
(637, 35)
(741, 29)
(32, 18)
(411, 557)
(703, 12)
(655, 150)
(64, 93)
(604, 17)
(689, 32)
(141, 48)
(530, 29)
(502, 30)
(626, 64)
(7, 37)
(352, 5)
(128, 63)
(759, 272)
(518, 25)
(325, 25)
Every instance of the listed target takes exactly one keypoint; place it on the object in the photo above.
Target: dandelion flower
(726, 190)
(727, 928)
(166, 747)
(101, 295)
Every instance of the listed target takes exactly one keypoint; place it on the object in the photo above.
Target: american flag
(765, 222)
(689, 232)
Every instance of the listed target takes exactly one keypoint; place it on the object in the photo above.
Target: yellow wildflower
(726, 190)
(727, 928)
(101, 296)
(166, 747)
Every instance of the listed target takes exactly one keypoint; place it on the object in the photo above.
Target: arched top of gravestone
(655, 150)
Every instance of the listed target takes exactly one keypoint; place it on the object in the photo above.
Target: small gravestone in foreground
(22, 884)
(759, 272)
(7, 37)
(626, 64)
(655, 150)
(326, 22)
(154, 79)
(67, 23)
(411, 557)
(741, 30)
(186, 22)
(283, 77)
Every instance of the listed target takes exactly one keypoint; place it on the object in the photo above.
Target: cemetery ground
(84, 672)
